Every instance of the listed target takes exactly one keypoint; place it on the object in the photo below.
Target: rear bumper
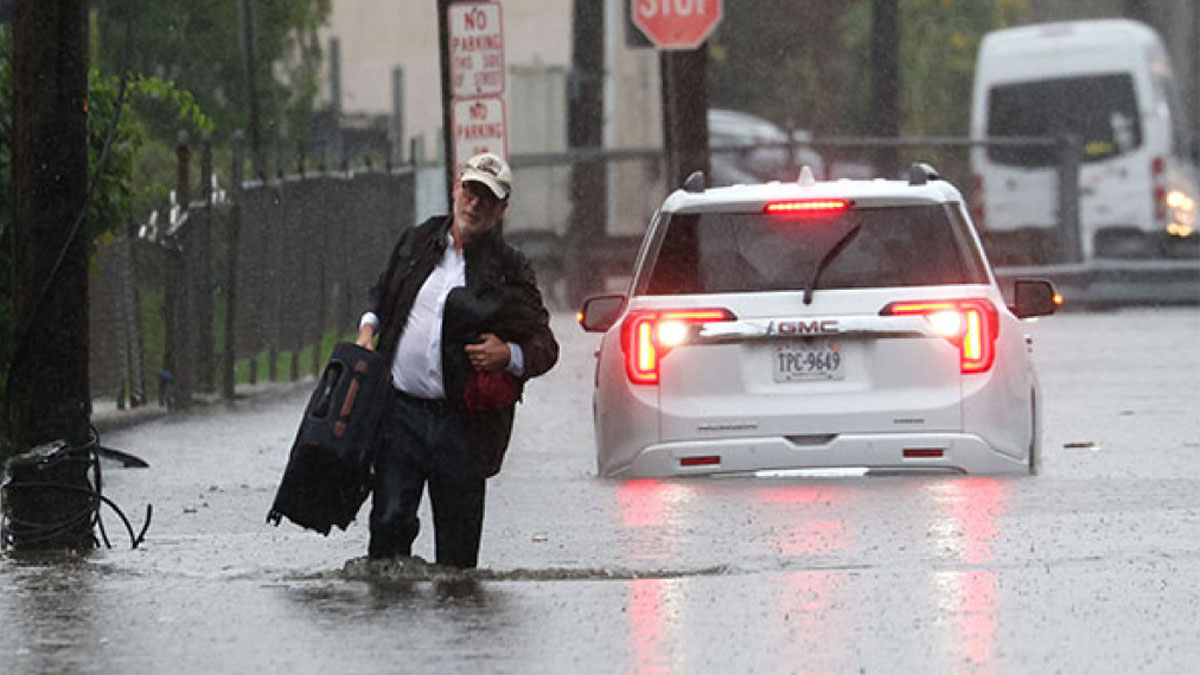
(963, 453)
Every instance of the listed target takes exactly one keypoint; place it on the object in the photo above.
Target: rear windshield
(749, 252)
(1101, 110)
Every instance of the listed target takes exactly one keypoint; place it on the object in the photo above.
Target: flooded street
(1092, 565)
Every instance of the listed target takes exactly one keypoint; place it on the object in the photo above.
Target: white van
(1109, 83)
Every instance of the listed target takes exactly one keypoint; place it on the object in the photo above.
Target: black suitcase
(328, 474)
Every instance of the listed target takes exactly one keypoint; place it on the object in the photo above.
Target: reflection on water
(647, 623)
(965, 536)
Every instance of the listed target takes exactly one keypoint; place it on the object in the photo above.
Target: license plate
(808, 360)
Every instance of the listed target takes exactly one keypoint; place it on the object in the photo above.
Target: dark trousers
(423, 443)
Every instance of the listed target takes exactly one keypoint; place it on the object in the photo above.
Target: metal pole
(443, 7)
(585, 130)
(1068, 200)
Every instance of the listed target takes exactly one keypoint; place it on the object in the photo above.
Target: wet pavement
(1092, 566)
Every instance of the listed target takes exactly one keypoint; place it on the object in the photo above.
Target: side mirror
(600, 312)
(1034, 297)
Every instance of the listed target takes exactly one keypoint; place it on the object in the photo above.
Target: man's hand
(365, 335)
(490, 353)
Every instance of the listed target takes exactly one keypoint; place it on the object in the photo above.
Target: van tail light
(970, 324)
(1159, 195)
(647, 336)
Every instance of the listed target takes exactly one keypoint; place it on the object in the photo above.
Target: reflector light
(811, 206)
(922, 452)
(977, 327)
(647, 336)
(705, 460)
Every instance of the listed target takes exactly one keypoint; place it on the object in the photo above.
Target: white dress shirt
(417, 366)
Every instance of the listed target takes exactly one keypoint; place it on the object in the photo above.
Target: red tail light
(970, 324)
(1159, 193)
(808, 206)
(647, 336)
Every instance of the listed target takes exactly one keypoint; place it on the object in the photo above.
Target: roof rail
(921, 172)
(694, 182)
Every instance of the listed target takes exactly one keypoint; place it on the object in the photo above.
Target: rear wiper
(827, 258)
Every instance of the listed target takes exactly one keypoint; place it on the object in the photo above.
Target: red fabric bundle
(490, 389)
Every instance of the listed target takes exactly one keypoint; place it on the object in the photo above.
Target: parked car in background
(785, 326)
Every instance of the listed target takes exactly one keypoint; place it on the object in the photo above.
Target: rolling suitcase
(328, 474)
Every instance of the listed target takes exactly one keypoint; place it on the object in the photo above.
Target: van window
(1100, 109)
(749, 252)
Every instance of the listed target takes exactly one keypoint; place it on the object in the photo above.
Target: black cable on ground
(23, 532)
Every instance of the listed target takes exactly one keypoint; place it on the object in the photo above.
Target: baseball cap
(490, 170)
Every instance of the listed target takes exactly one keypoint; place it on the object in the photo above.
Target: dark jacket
(501, 296)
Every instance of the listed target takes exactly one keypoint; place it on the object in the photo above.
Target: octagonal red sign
(676, 24)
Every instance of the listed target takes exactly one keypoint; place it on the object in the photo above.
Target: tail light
(647, 336)
(970, 324)
(807, 206)
(1159, 195)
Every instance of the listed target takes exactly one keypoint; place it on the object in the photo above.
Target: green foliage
(198, 44)
(783, 60)
(113, 197)
(809, 62)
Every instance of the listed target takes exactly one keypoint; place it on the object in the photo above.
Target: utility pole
(685, 113)
(885, 81)
(48, 379)
(585, 131)
(47, 393)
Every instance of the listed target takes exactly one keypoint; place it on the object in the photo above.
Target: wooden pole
(47, 393)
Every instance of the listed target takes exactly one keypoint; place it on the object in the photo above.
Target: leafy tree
(197, 44)
(939, 40)
(808, 61)
(782, 60)
(112, 198)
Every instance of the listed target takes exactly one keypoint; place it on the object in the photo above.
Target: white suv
(813, 325)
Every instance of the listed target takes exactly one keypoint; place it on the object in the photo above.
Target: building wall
(378, 35)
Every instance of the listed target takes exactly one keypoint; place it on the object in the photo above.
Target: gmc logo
(800, 327)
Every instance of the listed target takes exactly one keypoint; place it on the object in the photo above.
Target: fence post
(176, 382)
(275, 240)
(1068, 199)
(202, 278)
(133, 317)
(228, 385)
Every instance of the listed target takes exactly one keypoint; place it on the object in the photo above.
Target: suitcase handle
(360, 371)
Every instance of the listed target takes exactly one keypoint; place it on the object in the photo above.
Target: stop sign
(676, 24)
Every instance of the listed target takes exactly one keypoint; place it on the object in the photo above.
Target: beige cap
(490, 170)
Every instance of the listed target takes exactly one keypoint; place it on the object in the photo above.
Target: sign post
(677, 24)
(678, 28)
(475, 51)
